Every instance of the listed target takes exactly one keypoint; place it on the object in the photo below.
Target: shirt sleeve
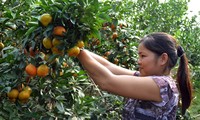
(165, 90)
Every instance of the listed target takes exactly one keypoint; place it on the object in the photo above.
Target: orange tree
(40, 76)
(50, 35)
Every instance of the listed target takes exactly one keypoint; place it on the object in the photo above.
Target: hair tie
(180, 51)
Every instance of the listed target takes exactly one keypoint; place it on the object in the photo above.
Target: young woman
(151, 92)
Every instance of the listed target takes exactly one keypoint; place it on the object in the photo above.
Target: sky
(193, 7)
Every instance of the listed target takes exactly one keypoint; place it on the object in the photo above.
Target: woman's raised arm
(143, 88)
(112, 67)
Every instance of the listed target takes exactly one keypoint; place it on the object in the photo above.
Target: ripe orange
(59, 30)
(73, 51)
(115, 35)
(13, 94)
(1, 46)
(31, 70)
(45, 19)
(47, 43)
(42, 70)
(24, 95)
(56, 42)
(80, 44)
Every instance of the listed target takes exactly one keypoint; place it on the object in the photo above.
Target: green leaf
(30, 30)
(105, 17)
(4, 20)
(96, 34)
(60, 107)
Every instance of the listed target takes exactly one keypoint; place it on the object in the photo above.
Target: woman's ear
(164, 58)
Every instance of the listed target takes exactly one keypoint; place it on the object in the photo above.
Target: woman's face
(149, 62)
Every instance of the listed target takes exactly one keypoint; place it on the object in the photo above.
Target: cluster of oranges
(22, 95)
(41, 71)
(54, 43)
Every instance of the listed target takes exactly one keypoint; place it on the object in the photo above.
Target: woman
(151, 92)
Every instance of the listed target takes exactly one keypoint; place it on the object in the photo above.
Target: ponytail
(183, 79)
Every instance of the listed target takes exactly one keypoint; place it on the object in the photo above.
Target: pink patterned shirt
(148, 110)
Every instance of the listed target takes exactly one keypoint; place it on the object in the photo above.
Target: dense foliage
(110, 28)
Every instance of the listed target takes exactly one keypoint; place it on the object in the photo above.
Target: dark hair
(160, 43)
